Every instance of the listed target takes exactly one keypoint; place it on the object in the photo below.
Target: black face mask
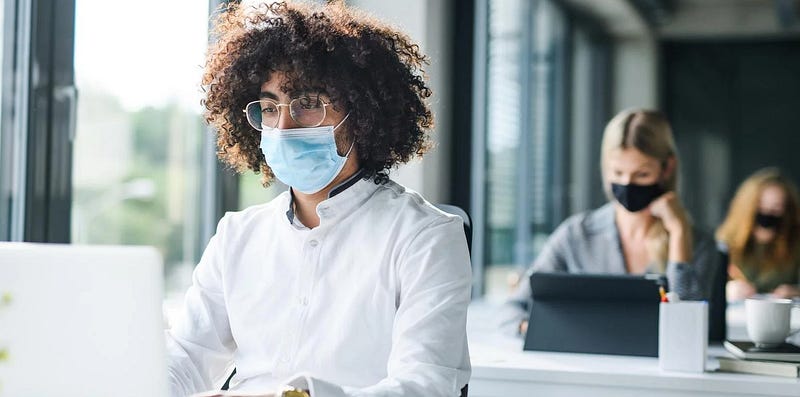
(636, 197)
(768, 221)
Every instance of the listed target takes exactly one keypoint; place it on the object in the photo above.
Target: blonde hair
(649, 132)
(737, 229)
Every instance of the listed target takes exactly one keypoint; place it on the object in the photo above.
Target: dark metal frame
(51, 121)
(461, 69)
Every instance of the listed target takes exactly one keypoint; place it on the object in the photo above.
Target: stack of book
(783, 360)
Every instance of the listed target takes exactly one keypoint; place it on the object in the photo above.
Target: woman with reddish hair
(762, 232)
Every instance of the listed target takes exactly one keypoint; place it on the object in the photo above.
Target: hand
(786, 291)
(738, 290)
(513, 279)
(523, 327)
(735, 273)
(669, 209)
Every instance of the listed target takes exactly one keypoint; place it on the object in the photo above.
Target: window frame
(51, 122)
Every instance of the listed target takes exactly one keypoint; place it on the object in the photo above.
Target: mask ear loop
(347, 155)
(342, 122)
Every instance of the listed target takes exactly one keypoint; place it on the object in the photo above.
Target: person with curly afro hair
(347, 284)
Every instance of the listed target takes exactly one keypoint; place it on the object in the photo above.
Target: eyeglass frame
(279, 105)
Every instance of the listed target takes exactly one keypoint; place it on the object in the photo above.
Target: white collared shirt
(372, 302)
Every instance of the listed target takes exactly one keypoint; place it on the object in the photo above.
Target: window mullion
(50, 114)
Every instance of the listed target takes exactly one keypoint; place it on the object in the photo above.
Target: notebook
(81, 321)
(748, 351)
(772, 368)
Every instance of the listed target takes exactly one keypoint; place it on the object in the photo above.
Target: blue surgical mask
(304, 158)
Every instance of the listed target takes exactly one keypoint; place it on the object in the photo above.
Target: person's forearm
(680, 248)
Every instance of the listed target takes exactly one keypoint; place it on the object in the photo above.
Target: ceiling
(721, 18)
(694, 18)
(618, 17)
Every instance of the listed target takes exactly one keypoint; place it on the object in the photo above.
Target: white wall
(428, 23)
(635, 72)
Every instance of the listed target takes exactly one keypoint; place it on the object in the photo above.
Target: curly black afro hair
(366, 68)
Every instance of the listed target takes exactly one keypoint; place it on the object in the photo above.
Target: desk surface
(500, 367)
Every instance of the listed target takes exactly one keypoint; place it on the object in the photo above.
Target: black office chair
(227, 384)
(454, 210)
(450, 209)
(717, 300)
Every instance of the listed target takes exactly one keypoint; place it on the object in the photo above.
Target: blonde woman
(762, 232)
(643, 229)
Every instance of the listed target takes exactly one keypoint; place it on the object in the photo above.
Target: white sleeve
(200, 345)
(429, 355)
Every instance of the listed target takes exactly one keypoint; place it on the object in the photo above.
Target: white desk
(501, 368)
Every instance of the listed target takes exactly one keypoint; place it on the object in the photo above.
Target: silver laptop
(81, 321)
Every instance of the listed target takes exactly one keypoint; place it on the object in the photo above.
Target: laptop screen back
(605, 314)
(81, 321)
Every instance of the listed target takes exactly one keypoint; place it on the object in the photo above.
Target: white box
(682, 336)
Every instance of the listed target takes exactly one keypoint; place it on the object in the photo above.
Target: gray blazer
(589, 243)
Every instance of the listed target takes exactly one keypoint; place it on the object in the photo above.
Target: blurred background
(103, 142)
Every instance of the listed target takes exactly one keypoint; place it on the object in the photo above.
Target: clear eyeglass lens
(269, 112)
(253, 111)
(307, 111)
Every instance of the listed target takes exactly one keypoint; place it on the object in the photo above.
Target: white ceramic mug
(768, 321)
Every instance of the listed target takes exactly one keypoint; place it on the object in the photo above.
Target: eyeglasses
(306, 111)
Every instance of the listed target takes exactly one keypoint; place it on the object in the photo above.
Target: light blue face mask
(304, 158)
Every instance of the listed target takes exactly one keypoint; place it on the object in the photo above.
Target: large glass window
(251, 192)
(140, 141)
(535, 55)
(525, 62)
(14, 45)
(507, 34)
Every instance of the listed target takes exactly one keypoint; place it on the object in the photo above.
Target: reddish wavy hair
(737, 229)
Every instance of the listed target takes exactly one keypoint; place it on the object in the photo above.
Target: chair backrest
(455, 210)
(717, 301)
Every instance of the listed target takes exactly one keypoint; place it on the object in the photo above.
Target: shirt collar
(334, 192)
(601, 220)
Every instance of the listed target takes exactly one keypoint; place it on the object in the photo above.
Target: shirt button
(304, 301)
(313, 243)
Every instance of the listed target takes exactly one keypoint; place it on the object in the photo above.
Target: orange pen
(663, 294)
